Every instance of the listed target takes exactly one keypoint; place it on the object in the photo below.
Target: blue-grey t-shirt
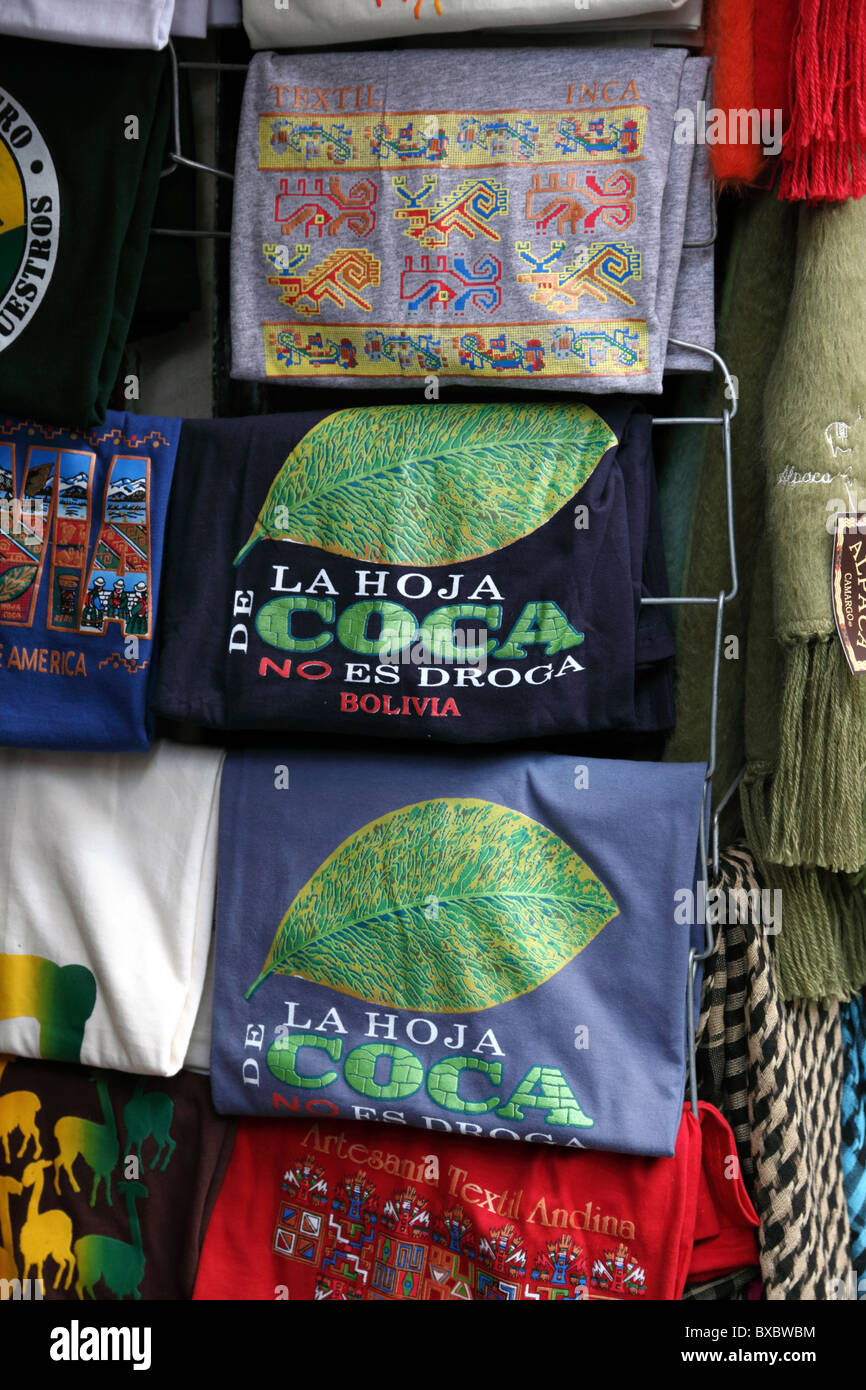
(489, 945)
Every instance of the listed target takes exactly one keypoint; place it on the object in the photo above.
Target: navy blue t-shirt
(82, 523)
(470, 573)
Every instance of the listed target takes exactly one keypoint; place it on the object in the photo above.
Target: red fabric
(824, 150)
(362, 1211)
(773, 35)
(730, 41)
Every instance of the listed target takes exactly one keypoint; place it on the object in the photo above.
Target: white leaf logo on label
(29, 219)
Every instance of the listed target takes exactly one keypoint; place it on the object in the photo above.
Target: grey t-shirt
(468, 215)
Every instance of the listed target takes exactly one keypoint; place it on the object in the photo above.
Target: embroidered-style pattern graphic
(579, 348)
(379, 1240)
(47, 515)
(337, 280)
(317, 209)
(88, 1152)
(437, 283)
(600, 271)
(617, 1272)
(468, 209)
(460, 139)
(348, 176)
(557, 204)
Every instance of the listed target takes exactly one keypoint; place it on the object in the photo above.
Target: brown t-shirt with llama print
(106, 1181)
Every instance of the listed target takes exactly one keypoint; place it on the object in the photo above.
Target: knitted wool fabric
(824, 149)
(854, 1126)
(807, 792)
(772, 35)
(752, 305)
(730, 39)
(775, 1072)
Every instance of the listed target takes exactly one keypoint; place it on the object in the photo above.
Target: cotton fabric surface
(71, 1213)
(481, 945)
(465, 573)
(347, 21)
(526, 225)
(74, 230)
(348, 1211)
(109, 866)
(82, 523)
(96, 23)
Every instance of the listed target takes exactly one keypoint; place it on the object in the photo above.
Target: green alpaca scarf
(788, 707)
(813, 797)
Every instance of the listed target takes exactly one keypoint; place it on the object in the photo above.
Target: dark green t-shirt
(82, 140)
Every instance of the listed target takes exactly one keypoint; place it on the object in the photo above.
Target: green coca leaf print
(431, 485)
(16, 581)
(445, 906)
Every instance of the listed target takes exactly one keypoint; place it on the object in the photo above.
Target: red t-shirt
(363, 1211)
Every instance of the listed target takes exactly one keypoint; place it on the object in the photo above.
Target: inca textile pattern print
(526, 225)
(323, 1211)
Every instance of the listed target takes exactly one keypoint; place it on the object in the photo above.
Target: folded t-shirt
(106, 1181)
(107, 880)
(82, 520)
(465, 214)
(98, 23)
(306, 22)
(82, 140)
(469, 573)
(485, 945)
(345, 1211)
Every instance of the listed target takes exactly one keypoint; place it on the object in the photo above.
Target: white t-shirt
(99, 23)
(298, 23)
(107, 884)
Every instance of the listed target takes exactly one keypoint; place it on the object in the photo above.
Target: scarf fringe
(815, 811)
(824, 147)
(820, 947)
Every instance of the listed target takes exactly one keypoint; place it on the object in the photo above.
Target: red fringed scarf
(824, 149)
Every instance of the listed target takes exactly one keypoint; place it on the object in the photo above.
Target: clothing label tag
(849, 586)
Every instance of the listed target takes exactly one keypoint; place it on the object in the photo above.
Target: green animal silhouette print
(119, 1265)
(61, 997)
(96, 1143)
(149, 1116)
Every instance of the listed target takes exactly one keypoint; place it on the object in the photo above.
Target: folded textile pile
(71, 1214)
(82, 520)
(470, 573)
(438, 1217)
(306, 22)
(107, 903)
(475, 944)
(71, 256)
(525, 221)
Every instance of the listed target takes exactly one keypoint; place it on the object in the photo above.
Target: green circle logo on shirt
(29, 219)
